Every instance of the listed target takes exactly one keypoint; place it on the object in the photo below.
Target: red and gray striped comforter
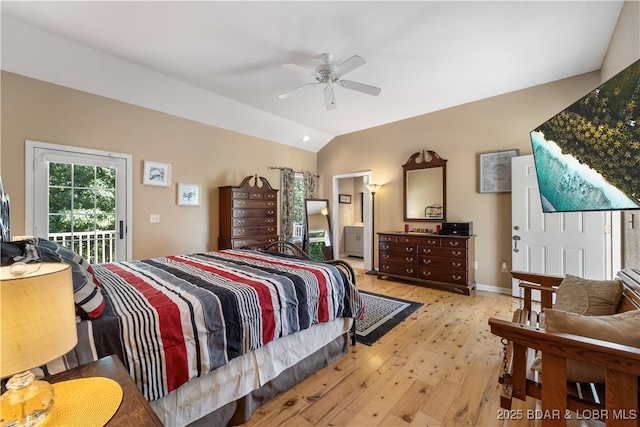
(171, 319)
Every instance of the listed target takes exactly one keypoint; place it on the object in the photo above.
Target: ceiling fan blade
(299, 69)
(292, 91)
(349, 65)
(329, 97)
(360, 87)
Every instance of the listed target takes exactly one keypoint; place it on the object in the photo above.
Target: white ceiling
(220, 61)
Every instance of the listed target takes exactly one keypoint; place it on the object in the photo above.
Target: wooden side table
(134, 409)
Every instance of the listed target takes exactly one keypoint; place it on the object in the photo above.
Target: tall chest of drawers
(446, 261)
(248, 214)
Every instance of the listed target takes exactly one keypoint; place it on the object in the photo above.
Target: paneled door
(578, 243)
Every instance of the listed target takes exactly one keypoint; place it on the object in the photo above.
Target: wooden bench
(521, 338)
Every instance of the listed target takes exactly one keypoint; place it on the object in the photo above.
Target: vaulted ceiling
(220, 62)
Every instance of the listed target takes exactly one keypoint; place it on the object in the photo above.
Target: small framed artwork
(188, 194)
(495, 171)
(157, 174)
(344, 198)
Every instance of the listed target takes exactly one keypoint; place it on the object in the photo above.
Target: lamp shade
(37, 314)
(373, 188)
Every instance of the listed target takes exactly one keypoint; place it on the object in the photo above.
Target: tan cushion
(622, 328)
(588, 297)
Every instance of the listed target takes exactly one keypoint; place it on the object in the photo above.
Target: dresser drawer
(245, 203)
(398, 258)
(253, 231)
(398, 248)
(420, 240)
(398, 269)
(387, 238)
(254, 213)
(253, 243)
(442, 252)
(452, 242)
(447, 276)
(248, 221)
(446, 263)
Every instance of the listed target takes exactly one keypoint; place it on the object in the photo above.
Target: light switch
(154, 218)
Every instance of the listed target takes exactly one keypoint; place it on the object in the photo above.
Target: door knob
(515, 243)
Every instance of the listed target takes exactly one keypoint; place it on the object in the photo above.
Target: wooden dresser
(248, 214)
(446, 261)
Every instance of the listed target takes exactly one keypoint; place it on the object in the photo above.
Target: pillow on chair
(622, 328)
(588, 297)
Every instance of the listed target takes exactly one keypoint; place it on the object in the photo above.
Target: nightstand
(134, 409)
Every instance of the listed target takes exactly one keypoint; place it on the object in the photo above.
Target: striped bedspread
(171, 319)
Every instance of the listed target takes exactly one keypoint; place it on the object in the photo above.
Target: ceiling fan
(329, 75)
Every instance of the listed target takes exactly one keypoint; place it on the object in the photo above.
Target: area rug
(382, 313)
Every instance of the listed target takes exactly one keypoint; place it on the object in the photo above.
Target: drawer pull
(271, 229)
(426, 261)
(408, 259)
(271, 212)
(454, 243)
(385, 246)
(426, 250)
(426, 273)
(270, 221)
(241, 203)
(241, 222)
(454, 277)
(385, 267)
(456, 253)
(409, 270)
(270, 204)
(432, 242)
(456, 264)
(408, 249)
(387, 239)
(385, 256)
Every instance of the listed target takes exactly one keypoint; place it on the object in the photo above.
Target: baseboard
(490, 288)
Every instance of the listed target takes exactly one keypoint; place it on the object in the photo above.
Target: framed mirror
(425, 187)
(317, 234)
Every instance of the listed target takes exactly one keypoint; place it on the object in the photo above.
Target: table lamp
(38, 325)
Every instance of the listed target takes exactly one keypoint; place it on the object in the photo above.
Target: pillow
(622, 328)
(588, 297)
(86, 290)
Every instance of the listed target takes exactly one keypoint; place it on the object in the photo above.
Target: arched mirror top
(425, 187)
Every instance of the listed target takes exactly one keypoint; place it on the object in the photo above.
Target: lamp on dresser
(373, 188)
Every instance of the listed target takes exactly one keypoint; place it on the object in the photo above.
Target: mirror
(425, 187)
(317, 233)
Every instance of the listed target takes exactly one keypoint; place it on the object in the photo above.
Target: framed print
(188, 194)
(156, 174)
(495, 171)
(344, 198)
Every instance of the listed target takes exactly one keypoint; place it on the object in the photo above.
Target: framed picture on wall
(344, 198)
(495, 171)
(188, 194)
(156, 174)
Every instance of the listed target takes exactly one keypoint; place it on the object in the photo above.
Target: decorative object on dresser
(373, 188)
(458, 228)
(425, 187)
(248, 214)
(445, 261)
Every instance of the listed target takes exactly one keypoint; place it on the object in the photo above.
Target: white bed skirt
(246, 373)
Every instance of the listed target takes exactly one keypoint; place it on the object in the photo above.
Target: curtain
(287, 176)
(310, 185)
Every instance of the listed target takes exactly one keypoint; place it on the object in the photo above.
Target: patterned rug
(382, 313)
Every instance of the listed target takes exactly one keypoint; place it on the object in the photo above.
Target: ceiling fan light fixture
(306, 138)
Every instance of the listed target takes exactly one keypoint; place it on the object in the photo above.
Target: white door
(577, 243)
(79, 198)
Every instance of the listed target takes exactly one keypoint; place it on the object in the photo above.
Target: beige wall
(198, 153)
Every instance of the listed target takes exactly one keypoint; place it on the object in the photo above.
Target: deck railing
(95, 246)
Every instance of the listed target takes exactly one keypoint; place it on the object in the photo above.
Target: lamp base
(373, 271)
(26, 402)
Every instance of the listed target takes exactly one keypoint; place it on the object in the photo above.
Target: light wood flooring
(439, 367)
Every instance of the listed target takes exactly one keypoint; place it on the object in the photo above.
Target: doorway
(80, 198)
(360, 209)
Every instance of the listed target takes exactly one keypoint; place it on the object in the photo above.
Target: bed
(208, 337)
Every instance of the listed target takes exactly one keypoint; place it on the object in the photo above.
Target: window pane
(83, 222)
(106, 178)
(59, 200)
(83, 176)
(106, 201)
(84, 200)
(60, 174)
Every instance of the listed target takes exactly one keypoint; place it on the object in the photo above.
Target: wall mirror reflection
(317, 236)
(425, 187)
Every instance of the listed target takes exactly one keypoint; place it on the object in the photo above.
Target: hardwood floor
(439, 367)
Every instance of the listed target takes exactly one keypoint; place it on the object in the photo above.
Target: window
(298, 207)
